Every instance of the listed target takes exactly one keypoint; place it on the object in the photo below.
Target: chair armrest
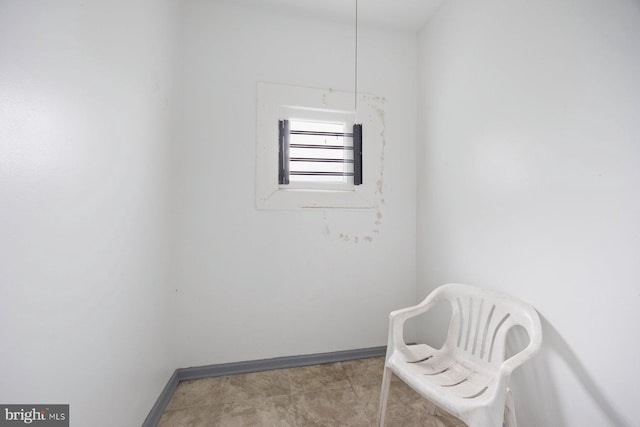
(397, 319)
(508, 366)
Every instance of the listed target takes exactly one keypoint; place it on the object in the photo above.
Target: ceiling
(408, 15)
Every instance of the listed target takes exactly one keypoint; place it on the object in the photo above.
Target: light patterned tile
(364, 371)
(337, 407)
(273, 411)
(338, 394)
(199, 416)
(206, 391)
(318, 377)
(258, 385)
(414, 421)
(402, 403)
(369, 397)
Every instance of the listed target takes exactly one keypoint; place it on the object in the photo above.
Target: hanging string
(355, 91)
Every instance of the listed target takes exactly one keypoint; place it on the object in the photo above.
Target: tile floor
(336, 394)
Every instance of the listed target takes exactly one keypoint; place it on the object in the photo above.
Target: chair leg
(510, 411)
(384, 395)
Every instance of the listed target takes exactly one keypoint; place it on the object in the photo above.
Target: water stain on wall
(375, 102)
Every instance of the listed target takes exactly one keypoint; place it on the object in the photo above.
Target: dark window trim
(283, 154)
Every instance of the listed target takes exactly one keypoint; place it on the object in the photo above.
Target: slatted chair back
(480, 321)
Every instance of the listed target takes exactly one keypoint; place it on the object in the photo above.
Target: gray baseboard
(234, 368)
(153, 418)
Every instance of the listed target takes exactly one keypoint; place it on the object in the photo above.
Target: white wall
(257, 284)
(527, 152)
(529, 183)
(85, 304)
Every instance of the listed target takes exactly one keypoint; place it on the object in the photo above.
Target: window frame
(275, 102)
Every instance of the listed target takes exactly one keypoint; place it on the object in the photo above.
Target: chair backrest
(481, 319)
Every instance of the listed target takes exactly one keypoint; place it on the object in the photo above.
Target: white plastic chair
(468, 377)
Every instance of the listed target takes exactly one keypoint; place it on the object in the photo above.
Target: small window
(319, 153)
(310, 155)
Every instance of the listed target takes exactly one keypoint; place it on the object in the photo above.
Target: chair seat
(446, 381)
